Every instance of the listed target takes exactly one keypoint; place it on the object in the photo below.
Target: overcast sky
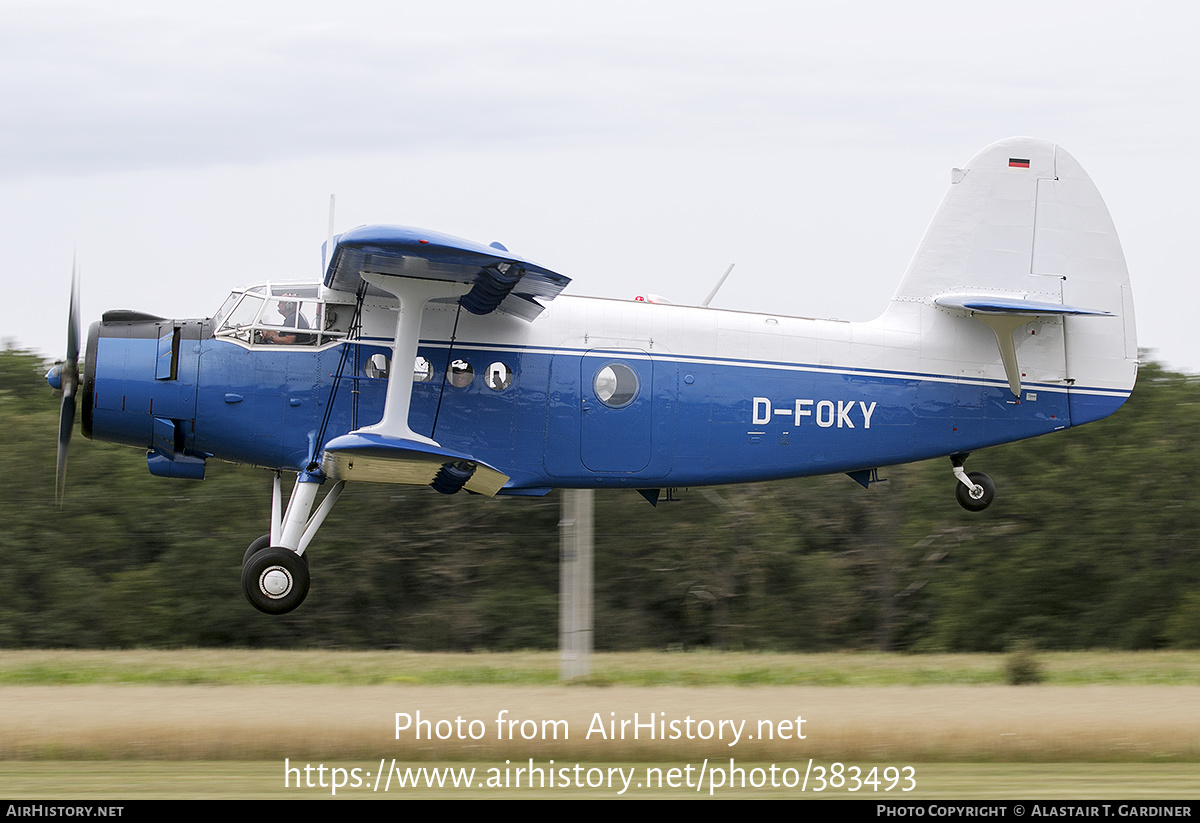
(181, 149)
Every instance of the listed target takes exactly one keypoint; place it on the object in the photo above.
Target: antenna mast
(717, 287)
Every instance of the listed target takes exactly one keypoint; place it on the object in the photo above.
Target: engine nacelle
(139, 387)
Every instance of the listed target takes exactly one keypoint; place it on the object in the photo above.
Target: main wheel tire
(260, 544)
(275, 580)
(255, 547)
(975, 500)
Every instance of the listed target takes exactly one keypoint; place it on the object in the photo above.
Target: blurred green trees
(1092, 542)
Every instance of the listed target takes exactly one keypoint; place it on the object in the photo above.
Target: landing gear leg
(275, 574)
(974, 491)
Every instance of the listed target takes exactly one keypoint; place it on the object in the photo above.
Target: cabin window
(615, 385)
(499, 377)
(377, 366)
(422, 370)
(461, 374)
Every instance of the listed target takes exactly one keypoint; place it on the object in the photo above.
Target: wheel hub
(275, 582)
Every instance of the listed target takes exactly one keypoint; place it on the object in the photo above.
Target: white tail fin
(1024, 244)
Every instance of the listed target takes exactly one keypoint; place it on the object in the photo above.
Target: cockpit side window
(226, 307)
(337, 320)
(283, 315)
(288, 321)
(240, 323)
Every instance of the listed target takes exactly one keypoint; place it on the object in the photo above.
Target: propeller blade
(73, 329)
(66, 423)
(69, 382)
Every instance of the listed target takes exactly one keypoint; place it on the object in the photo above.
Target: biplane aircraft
(428, 360)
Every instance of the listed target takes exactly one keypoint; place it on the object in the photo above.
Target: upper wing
(499, 279)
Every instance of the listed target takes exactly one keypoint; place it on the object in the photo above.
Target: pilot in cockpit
(289, 309)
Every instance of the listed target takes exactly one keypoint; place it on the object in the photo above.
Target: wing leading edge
(498, 279)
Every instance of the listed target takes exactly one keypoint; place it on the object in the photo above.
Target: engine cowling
(139, 387)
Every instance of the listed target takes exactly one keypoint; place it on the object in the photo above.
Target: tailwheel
(975, 490)
(977, 496)
(274, 579)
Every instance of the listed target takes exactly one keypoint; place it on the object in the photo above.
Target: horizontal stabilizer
(1003, 304)
(1004, 314)
(499, 279)
(375, 458)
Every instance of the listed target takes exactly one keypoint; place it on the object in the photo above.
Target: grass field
(210, 724)
(261, 667)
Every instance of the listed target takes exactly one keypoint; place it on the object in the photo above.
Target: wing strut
(413, 294)
(390, 451)
(1003, 326)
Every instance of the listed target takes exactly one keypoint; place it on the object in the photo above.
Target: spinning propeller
(64, 375)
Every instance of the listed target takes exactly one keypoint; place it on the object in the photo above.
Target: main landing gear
(275, 575)
(974, 491)
(275, 580)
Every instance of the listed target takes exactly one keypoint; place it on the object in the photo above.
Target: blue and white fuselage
(427, 360)
(717, 396)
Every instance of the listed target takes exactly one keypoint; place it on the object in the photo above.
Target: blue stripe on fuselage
(702, 424)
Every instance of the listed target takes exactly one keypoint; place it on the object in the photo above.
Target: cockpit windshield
(282, 314)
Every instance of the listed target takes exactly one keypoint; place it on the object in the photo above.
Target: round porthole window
(377, 366)
(461, 374)
(422, 370)
(499, 376)
(616, 385)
